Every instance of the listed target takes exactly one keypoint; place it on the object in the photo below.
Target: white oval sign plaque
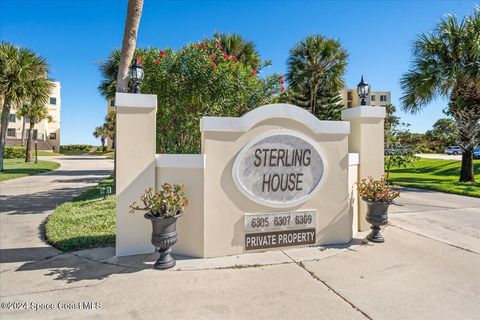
(279, 169)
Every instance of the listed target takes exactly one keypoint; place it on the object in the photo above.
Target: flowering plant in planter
(377, 190)
(163, 208)
(378, 195)
(168, 202)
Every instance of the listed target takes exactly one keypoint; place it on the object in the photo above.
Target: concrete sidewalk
(428, 268)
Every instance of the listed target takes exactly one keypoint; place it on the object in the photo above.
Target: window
(112, 103)
(11, 132)
(53, 136)
(372, 98)
(383, 97)
(12, 117)
(349, 104)
(53, 100)
(349, 95)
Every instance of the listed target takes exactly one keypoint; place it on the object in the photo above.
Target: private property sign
(279, 169)
(281, 229)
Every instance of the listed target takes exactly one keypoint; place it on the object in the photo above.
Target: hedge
(15, 152)
(76, 147)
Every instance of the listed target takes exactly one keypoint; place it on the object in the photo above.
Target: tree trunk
(3, 129)
(313, 97)
(466, 172)
(389, 164)
(134, 12)
(465, 108)
(23, 132)
(102, 140)
(28, 157)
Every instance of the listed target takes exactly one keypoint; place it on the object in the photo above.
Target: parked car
(453, 150)
(476, 153)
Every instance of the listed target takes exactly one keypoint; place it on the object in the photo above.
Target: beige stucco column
(135, 171)
(366, 138)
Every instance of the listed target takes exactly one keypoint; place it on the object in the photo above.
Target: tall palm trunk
(466, 171)
(3, 129)
(102, 141)
(28, 157)
(465, 108)
(134, 12)
(23, 132)
(313, 96)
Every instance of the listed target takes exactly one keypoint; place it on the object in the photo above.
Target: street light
(136, 74)
(363, 90)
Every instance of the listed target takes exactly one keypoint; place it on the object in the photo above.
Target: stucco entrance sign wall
(279, 169)
(250, 209)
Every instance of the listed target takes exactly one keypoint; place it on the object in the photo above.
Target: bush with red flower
(200, 79)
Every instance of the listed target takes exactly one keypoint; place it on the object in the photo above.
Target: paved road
(26, 202)
(428, 268)
(448, 218)
(440, 156)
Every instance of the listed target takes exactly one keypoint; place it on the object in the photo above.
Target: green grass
(73, 152)
(87, 221)
(438, 175)
(17, 168)
(108, 154)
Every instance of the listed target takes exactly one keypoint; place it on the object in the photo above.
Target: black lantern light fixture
(136, 74)
(363, 90)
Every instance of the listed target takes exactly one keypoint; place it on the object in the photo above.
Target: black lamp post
(136, 74)
(363, 90)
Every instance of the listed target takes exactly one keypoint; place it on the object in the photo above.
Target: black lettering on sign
(275, 239)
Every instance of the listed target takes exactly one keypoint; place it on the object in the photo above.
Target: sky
(75, 36)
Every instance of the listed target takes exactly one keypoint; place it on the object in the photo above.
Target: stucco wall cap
(180, 161)
(363, 112)
(353, 159)
(279, 110)
(133, 100)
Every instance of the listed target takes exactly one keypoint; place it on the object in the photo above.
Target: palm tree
(235, 45)
(134, 12)
(101, 132)
(447, 63)
(35, 113)
(23, 78)
(109, 72)
(316, 65)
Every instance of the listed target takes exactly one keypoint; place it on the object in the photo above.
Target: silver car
(453, 150)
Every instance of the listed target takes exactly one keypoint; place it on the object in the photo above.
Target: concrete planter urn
(377, 216)
(378, 195)
(163, 208)
(164, 236)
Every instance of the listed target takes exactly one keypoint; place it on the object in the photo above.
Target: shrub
(200, 79)
(76, 147)
(14, 152)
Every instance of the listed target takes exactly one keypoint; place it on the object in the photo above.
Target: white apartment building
(47, 134)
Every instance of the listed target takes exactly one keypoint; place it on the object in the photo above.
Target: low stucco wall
(214, 222)
(175, 169)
